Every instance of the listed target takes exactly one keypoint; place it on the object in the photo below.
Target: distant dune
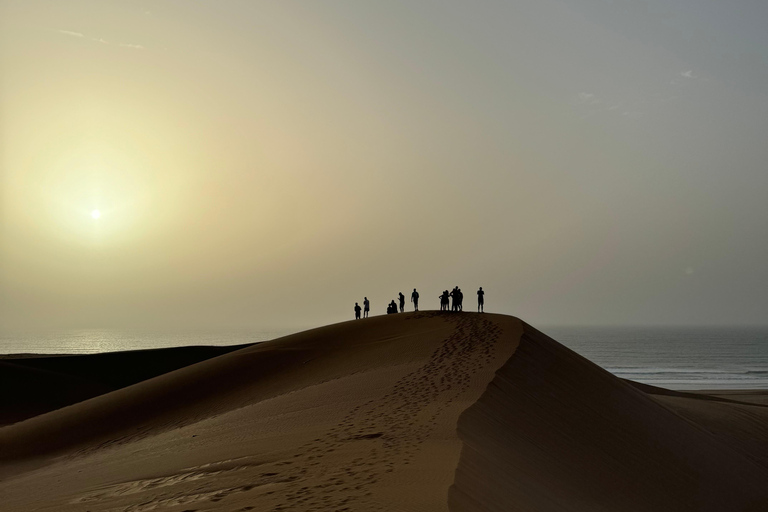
(420, 411)
(34, 384)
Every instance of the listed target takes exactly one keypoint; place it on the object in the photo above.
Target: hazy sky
(267, 164)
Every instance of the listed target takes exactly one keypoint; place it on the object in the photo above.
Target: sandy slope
(32, 385)
(390, 413)
(555, 432)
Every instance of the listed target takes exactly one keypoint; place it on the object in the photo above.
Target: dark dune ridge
(35, 384)
(420, 411)
(552, 416)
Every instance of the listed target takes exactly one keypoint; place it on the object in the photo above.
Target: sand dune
(419, 411)
(555, 432)
(31, 385)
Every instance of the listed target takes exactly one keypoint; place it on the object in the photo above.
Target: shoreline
(419, 411)
(216, 349)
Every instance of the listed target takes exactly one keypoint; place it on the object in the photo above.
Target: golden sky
(267, 164)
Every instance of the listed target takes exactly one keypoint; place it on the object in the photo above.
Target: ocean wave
(641, 370)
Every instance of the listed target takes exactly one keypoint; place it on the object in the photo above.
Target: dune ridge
(420, 411)
(33, 384)
(556, 432)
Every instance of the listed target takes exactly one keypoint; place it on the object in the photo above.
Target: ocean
(673, 358)
(92, 341)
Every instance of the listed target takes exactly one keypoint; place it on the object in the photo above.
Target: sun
(95, 214)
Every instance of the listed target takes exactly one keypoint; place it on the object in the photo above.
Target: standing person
(480, 300)
(415, 299)
(366, 307)
(357, 311)
(402, 302)
(460, 296)
(444, 301)
(454, 298)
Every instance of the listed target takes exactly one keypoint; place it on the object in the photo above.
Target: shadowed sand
(419, 411)
(35, 384)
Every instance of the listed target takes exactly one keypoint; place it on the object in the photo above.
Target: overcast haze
(265, 165)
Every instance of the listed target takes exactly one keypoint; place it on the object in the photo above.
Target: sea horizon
(674, 357)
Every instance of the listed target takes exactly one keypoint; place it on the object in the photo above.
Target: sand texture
(410, 412)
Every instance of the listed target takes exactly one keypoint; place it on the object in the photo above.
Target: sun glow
(95, 214)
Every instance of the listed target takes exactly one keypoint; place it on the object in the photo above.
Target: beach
(418, 411)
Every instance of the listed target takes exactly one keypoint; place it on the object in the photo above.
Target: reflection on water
(89, 341)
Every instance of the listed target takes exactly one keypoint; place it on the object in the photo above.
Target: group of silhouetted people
(392, 306)
(454, 299)
(366, 308)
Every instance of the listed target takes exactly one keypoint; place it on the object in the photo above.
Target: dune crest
(419, 411)
(556, 432)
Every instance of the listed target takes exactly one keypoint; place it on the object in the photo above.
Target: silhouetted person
(366, 307)
(454, 299)
(392, 308)
(444, 300)
(402, 302)
(460, 296)
(480, 300)
(357, 311)
(415, 299)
